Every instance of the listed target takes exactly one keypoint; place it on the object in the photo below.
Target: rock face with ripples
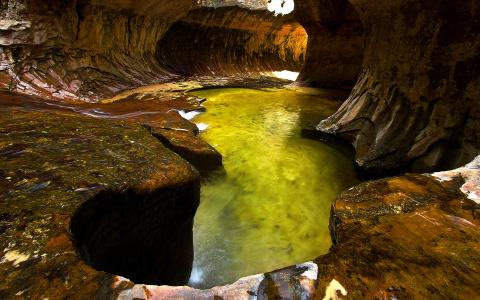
(247, 42)
(82, 49)
(89, 50)
(416, 102)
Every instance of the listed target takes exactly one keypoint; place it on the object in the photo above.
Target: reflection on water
(272, 208)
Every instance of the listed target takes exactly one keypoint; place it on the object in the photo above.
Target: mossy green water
(272, 208)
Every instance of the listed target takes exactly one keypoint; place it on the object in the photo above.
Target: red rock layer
(79, 49)
(88, 50)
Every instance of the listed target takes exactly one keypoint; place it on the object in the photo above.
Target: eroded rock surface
(194, 150)
(90, 50)
(416, 103)
(112, 175)
(82, 49)
(404, 237)
(469, 174)
(231, 40)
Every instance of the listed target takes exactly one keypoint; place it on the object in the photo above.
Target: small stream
(272, 207)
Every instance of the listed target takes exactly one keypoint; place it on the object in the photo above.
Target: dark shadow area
(143, 236)
(344, 146)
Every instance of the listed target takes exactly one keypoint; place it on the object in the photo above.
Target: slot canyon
(239, 149)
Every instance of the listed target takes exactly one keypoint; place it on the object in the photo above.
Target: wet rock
(143, 195)
(403, 237)
(14, 25)
(193, 149)
(469, 174)
(171, 120)
(296, 282)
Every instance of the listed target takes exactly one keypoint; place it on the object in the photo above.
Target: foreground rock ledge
(406, 237)
(58, 165)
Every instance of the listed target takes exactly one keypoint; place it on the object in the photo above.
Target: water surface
(272, 208)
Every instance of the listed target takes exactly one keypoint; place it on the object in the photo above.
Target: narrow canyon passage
(239, 149)
(272, 206)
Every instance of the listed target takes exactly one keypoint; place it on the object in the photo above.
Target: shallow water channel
(272, 208)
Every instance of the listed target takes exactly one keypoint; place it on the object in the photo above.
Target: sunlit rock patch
(232, 41)
(288, 75)
(277, 6)
(283, 7)
(251, 4)
(15, 257)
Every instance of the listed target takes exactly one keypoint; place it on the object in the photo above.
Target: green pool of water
(272, 208)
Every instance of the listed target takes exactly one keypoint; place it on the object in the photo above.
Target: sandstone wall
(416, 104)
(91, 49)
(78, 49)
(233, 40)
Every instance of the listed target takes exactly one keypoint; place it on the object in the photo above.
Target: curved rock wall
(417, 101)
(82, 49)
(415, 104)
(91, 49)
(233, 40)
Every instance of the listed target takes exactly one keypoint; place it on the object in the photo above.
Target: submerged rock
(193, 149)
